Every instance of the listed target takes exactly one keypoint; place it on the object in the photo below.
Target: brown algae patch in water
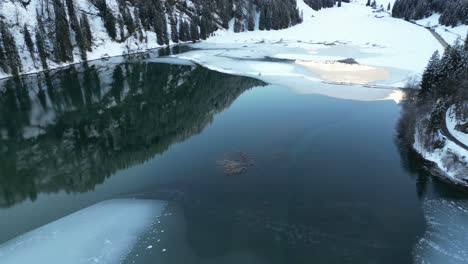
(235, 163)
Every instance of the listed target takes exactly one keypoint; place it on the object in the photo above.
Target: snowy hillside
(36, 35)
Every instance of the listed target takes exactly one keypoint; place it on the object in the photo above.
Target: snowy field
(388, 52)
(104, 233)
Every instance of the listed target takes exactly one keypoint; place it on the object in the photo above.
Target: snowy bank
(103, 233)
(451, 159)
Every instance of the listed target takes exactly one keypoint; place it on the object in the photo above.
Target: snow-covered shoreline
(451, 159)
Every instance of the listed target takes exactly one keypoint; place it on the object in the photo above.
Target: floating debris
(235, 163)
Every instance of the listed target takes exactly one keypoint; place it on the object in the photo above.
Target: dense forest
(444, 87)
(453, 12)
(52, 32)
(70, 130)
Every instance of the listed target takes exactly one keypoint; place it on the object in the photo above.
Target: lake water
(326, 181)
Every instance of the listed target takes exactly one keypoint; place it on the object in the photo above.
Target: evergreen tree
(41, 49)
(194, 35)
(251, 16)
(174, 31)
(388, 7)
(63, 46)
(108, 18)
(120, 23)
(339, 3)
(11, 52)
(28, 41)
(3, 62)
(75, 25)
(374, 4)
(184, 31)
(368, 3)
(430, 75)
(262, 18)
(86, 29)
(128, 21)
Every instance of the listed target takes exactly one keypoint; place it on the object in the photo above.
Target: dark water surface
(327, 183)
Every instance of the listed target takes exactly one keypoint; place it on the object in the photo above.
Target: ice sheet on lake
(103, 233)
(446, 238)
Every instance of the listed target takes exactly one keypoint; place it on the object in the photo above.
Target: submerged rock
(235, 163)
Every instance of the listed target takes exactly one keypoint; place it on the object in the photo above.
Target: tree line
(61, 30)
(453, 12)
(444, 84)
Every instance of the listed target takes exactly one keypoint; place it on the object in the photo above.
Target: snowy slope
(449, 34)
(148, 28)
(374, 39)
(16, 15)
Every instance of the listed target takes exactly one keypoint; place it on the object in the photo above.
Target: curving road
(445, 131)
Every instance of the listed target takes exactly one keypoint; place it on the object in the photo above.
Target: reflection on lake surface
(325, 182)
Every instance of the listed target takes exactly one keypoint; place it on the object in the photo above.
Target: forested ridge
(443, 88)
(37, 34)
(453, 12)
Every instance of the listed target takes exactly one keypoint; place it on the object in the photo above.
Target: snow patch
(102, 233)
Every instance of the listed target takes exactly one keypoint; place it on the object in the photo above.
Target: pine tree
(388, 7)
(339, 3)
(262, 19)
(429, 77)
(28, 41)
(11, 52)
(194, 35)
(368, 3)
(374, 4)
(86, 29)
(63, 46)
(128, 21)
(41, 49)
(120, 23)
(3, 64)
(251, 17)
(174, 31)
(108, 18)
(184, 31)
(75, 25)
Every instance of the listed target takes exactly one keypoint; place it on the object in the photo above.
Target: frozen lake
(250, 172)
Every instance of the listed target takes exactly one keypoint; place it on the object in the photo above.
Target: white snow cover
(451, 159)
(102, 233)
(373, 39)
(445, 240)
(449, 34)
(452, 122)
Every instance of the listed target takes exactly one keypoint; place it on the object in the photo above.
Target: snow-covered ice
(102, 233)
(446, 237)
(396, 49)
